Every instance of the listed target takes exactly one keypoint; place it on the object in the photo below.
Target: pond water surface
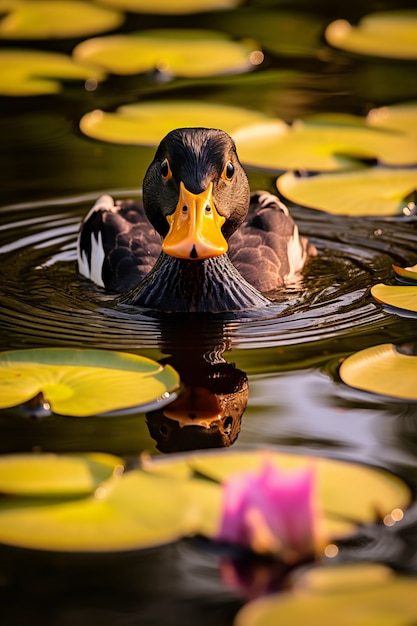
(289, 352)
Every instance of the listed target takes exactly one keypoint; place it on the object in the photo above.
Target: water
(289, 352)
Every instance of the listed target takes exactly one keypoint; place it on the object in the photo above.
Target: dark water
(289, 352)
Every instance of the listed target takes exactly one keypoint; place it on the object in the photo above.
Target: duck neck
(204, 286)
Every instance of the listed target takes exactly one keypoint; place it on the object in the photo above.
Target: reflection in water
(208, 412)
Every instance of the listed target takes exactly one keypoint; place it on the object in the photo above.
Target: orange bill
(195, 227)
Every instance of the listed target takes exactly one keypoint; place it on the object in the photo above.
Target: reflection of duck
(196, 196)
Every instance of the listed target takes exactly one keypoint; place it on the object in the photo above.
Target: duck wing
(117, 246)
(267, 249)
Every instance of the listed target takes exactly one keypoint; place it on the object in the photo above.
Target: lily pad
(398, 296)
(318, 146)
(367, 494)
(398, 117)
(33, 73)
(382, 369)
(84, 382)
(407, 274)
(364, 594)
(374, 191)
(172, 7)
(56, 475)
(146, 123)
(136, 511)
(185, 53)
(40, 19)
(388, 34)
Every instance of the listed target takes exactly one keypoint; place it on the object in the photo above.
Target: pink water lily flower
(272, 512)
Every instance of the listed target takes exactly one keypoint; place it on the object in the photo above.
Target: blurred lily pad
(80, 382)
(138, 510)
(56, 475)
(399, 117)
(369, 191)
(318, 145)
(398, 296)
(407, 274)
(33, 72)
(185, 53)
(382, 369)
(348, 494)
(172, 7)
(146, 123)
(44, 19)
(365, 594)
(388, 34)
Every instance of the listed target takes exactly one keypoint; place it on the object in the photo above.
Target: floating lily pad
(382, 369)
(364, 594)
(56, 475)
(398, 296)
(137, 510)
(407, 274)
(369, 191)
(146, 123)
(398, 117)
(84, 382)
(172, 7)
(348, 494)
(186, 53)
(389, 34)
(40, 19)
(33, 73)
(320, 146)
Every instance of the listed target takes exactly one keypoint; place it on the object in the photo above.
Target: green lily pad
(398, 296)
(367, 494)
(172, 7)
(56, 475)
(382, 369)
(40, 19)
(84, 382)
(369, 191)
(398, 117)
(34, 73)
(136, 511)
(146, 123)
(185, 53)
(318, 146)
(388, 34)
(364, 594)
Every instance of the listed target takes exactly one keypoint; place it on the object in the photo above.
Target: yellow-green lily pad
(172, 7)
(398, 296)
(34, 73)
(388, 34)
(80, 382)
(185, 53)
(373, 191)
(318, 146)
(365, 594)
(146, 123)
(398, 117)
(135, 511)
(382, 369)
(348, 494)
(46, 19)
(51, 474)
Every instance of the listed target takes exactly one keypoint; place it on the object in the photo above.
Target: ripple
(45, 302)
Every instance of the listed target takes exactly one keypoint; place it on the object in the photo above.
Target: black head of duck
(201, 242)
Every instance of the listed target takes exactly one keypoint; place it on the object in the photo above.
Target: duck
(200, 241)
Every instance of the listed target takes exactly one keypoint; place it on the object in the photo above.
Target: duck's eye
(165, 170)
(229, 170)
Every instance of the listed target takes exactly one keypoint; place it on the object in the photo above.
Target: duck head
(196, 192)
